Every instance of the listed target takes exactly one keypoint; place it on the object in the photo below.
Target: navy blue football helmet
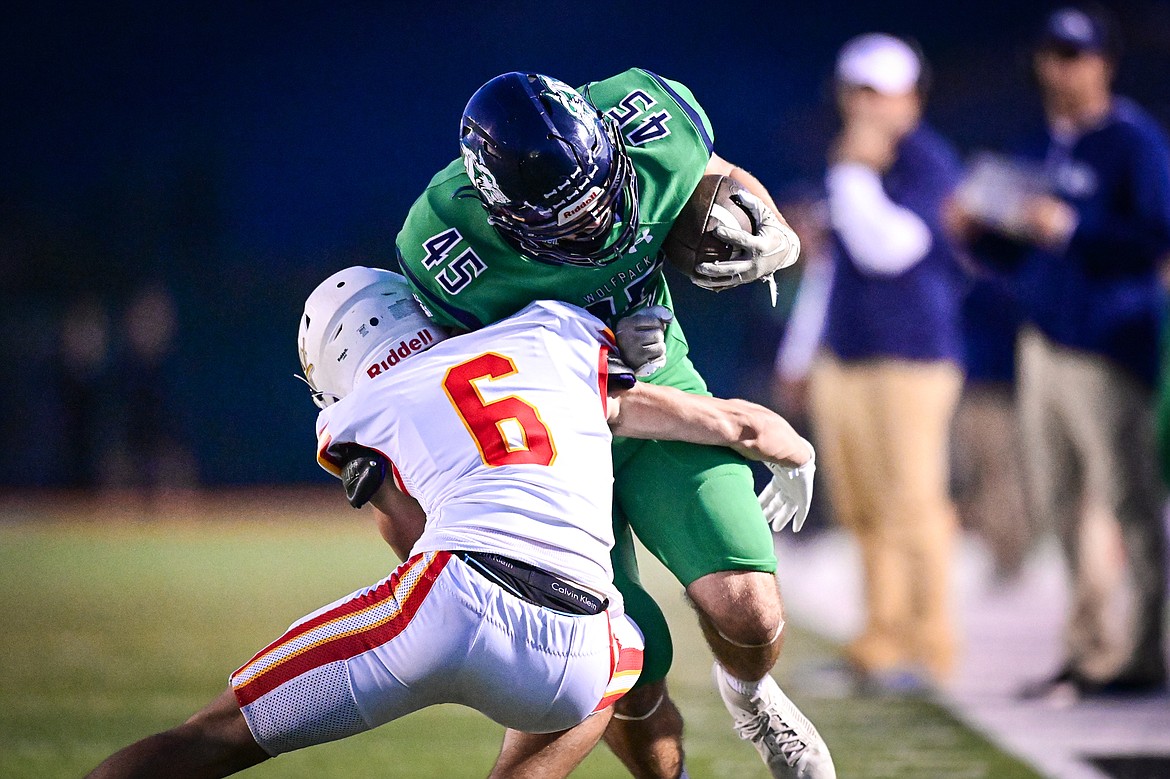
(551, 170)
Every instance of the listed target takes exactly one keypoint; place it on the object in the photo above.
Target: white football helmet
(359, 323)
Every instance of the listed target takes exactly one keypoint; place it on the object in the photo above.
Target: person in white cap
(884, 387)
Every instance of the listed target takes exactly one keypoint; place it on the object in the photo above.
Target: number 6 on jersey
(507, 431)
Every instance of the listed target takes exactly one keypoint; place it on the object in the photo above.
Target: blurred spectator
(809, 217)
(1087, 355)
(153, 459)
(884, 389)
(1164, 395)
(1163, 416)
(82, 381)
(988, 485)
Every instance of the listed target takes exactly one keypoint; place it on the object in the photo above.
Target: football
(690, 240)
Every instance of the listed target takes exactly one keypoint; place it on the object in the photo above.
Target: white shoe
(785, 739)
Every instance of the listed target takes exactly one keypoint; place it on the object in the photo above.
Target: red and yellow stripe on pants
(626, 649)
(341, 630)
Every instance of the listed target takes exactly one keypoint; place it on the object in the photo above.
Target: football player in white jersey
(488, 460)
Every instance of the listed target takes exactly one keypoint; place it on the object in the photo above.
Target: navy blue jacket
(911, 315)
(991, 321)
(1102, 293)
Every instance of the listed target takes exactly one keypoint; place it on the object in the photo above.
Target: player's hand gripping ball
(725, 236)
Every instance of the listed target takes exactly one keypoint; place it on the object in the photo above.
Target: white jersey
(501, 435)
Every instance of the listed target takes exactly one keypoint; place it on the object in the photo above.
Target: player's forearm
(720, 166)
(756, 187)
(762, 434)
(665, 413)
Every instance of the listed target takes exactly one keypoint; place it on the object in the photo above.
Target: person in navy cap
(884, 387)
(1093, 238)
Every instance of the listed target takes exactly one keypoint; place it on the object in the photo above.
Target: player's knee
(751, 631)
(744, 606)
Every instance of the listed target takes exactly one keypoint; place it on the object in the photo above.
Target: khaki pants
(1089, 453)
(988, 478)
(882, 430)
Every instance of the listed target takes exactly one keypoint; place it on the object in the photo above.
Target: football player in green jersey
(569, 195)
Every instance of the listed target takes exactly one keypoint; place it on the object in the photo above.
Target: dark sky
(315, 124)
(240, 152)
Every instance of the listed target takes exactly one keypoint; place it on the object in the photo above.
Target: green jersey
(694, 507)
(466, 276)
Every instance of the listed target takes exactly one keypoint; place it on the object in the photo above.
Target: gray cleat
(785, 739)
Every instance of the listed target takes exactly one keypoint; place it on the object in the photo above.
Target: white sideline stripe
(1010, 634)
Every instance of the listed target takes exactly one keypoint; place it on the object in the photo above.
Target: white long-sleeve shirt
(882, 237)
(806, 323)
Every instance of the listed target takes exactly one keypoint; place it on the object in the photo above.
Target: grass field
(113, 630)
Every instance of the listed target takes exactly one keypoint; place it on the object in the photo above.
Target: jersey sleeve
(690, 106)
(329, 450)
(337, 443)
(569, 320)
(339, 436)
(435, 249)
(634, 99)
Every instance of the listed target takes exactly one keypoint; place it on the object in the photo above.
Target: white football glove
(641, 338)
(787, 497)
(773, 246)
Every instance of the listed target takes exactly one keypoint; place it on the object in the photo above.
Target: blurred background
(178, 177)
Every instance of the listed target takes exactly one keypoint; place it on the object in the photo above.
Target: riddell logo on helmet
(571, 211)
(398, 353)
